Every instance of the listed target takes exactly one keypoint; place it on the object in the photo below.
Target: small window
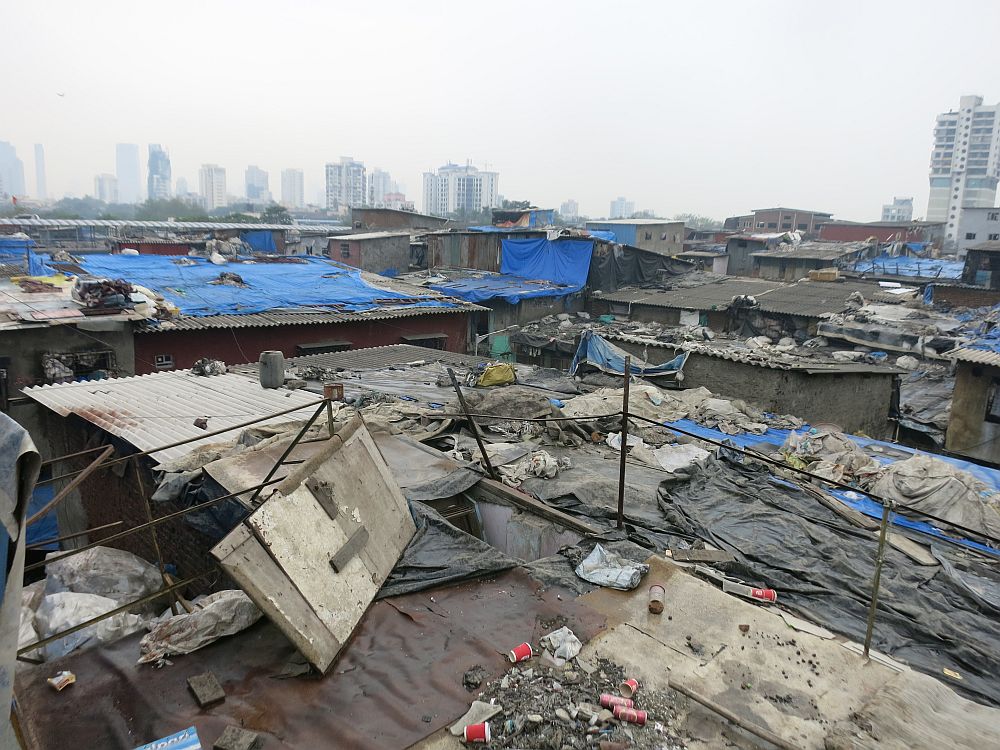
(163, 361)
(772, 225)
(739, 243)
(970, 235)
(663, 237)
(992, 402)
(649, 236)
(345, 249)
(800, 227)
(994, 236)
(994, 216)
(427, 340)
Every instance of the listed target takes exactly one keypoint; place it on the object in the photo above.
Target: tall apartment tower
(346, 184)
(379, 186)
(41, 183)
(460, 188)
(901, 209)
(257, 184)
(293, 188)
(127, 172)
(965, 162)
(106, 188)
(11, 171)
(212, 181)
(158, 179)
(621, 208)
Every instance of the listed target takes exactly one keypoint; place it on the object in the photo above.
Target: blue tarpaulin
(598, 352)
(20, 251)
(311, 283)
(602, 235)
(857, 499)
(926, 268)
(262, 241)
(486, 286)
(562, 261)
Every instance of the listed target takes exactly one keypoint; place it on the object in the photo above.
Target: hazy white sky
(706, 107)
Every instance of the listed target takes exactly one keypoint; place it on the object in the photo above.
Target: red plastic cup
(765, 595)
(631, 715)
(477, 732)
(610, 701)
(520, 653)
(629, 687)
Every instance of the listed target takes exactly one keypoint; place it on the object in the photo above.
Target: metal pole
(140, 527)
(289, 449)
(624, 446)
(61, 495)
(879, 559)
(202, 436)
(152, 530)
(123, 608)
(473, 426)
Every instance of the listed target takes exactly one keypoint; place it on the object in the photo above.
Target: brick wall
(958, 296)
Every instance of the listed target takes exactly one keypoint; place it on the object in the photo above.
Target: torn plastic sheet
(562, 644)
(822, 567)
(609, 569)
(439, 553)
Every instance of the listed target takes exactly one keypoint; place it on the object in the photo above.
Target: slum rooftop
(813, 250)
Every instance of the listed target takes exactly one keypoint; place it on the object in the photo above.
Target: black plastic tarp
(932, 618)
(440, 553)
(628, 266)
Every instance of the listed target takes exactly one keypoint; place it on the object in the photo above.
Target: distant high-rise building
(180, 187)
(379, 185)
(106, 188)
(621, 208)
(41, 184)
(965, 162)
(460, 188)
(293, 188)
(346, 184)
(901, 209)
(158, 181)
(257, 185)
(11, 171)
(212, 180)
(570, 209)
(127, 171)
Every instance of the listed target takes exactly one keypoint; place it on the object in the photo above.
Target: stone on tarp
(235, 738)
(206, 689)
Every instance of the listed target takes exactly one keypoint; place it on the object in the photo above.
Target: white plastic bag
(220, 614)
(112, 573)
(63, 610)
(610, 569)
(563, 644)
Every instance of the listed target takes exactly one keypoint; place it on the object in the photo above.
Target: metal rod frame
(883, 536)
(473, 426)
(64, 492)
(624, 444)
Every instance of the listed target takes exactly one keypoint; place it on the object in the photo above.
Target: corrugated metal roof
(813, 250)
(183, 226)
(813, 299)
(976, 356)
(712, 296)
(371, 236)
(279, 318)
(148, 411)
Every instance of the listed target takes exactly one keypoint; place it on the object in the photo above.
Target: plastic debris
(611, 570)
(62, 679)
(562, 643)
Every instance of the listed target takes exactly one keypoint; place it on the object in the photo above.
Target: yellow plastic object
(500, 373)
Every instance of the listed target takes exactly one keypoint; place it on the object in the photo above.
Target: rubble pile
(555, 707)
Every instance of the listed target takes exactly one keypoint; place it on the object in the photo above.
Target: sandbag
(63, 610)
(220, 614)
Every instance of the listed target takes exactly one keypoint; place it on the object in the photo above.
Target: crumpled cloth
(562, 643)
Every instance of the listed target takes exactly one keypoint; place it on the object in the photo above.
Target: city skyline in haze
(795, 108)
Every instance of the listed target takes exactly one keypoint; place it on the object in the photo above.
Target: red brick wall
(956, 296)
(860, 232)
(156, 248)
(242, 345)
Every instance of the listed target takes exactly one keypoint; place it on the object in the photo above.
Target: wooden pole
(624, 445)
(64, 492)
(473, 426)
(879, 559)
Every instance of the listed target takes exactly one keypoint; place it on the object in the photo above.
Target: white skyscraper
(293, 188)
(158, 180)
(570, 209)
(257, 185)
(965, 162)
(379, 185)
(41, 183)
(127, 171)
(621, 208)
(212, 181)
(901, 209)
(460, 188)
(346, 184)
(11, 171)
(106, 188)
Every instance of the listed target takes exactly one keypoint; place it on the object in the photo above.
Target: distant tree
(275, 214)
(76, 208)
(644, 214)
(236, 218)
(169, 208)
(696, 221)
